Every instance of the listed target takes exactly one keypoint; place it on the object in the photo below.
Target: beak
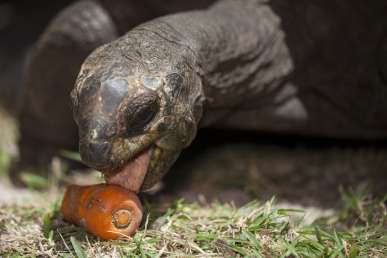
(95, 154)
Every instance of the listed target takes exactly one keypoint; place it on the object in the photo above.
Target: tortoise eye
(140, 112)
(144, 114)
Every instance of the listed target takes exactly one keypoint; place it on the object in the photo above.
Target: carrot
(108, 211)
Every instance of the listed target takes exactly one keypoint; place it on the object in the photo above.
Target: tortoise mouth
(132, 174)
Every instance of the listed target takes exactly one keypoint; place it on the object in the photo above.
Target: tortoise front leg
(46, 122)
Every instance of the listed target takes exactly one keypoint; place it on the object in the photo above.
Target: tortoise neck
(238, 50)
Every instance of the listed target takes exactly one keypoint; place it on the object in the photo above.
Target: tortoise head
(136, 110)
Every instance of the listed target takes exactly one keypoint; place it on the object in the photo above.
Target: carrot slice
(107, 211)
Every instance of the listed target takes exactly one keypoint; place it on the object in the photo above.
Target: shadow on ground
(241, 166)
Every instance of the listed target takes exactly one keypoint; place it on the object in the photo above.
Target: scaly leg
(46, 122)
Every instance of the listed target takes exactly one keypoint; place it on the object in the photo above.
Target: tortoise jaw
(139, 162)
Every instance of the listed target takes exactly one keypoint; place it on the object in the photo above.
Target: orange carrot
(108, 211)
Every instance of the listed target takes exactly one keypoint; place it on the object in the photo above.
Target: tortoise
(148, 75)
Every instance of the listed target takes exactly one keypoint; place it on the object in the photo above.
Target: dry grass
(214, 230)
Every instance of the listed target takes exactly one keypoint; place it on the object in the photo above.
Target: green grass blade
(77, 248)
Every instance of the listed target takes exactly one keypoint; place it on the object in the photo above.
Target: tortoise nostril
(95, 154)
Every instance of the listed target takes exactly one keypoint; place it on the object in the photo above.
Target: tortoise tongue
(132, 174)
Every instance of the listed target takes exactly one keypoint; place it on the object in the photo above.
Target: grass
(359, 229)
(34, 228)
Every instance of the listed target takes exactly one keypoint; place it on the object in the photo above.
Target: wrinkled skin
(125, 107)
(295, 67)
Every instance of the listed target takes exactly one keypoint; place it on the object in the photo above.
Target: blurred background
(21, 23)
